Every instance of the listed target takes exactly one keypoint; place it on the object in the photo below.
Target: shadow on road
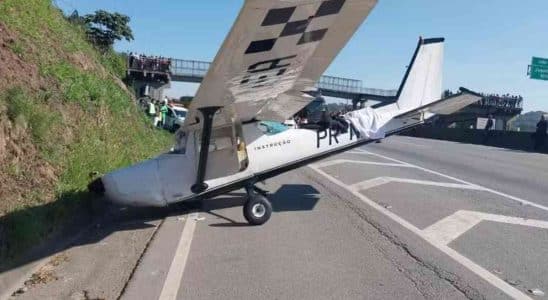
(33, 233)
(21, 231)
(289, 197)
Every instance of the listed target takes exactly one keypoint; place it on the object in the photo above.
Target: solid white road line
(367, 184)
(355, 152)
(470, 265)
(342, 161)
(450, 228)
(517, 199)
(409, 144)
(177, 268)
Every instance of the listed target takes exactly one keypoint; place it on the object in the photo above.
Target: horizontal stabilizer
(447, 105)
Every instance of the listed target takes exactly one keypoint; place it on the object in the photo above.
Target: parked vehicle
(175, 117)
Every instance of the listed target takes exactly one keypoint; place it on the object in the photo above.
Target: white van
(175, 117)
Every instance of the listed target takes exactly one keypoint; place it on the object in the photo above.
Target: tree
(104, 28)
(75, 18)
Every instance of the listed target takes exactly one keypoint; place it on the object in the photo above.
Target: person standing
(540, 134)
(151, 109)
(488, 127)
(131, 60)
(164, 110)
(157, 119)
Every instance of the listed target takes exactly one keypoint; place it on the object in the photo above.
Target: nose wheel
(257, 208)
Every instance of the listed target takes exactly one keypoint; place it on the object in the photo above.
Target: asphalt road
(405, 219)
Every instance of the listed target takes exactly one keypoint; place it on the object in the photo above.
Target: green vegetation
(82, 120)
(25, 113)
(104, 28)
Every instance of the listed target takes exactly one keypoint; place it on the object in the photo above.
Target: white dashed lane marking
(359, 162)
(375, 182)
(177, 268)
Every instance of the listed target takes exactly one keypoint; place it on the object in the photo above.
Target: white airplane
(266, 70)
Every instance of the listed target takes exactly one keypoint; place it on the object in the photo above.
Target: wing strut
(207, 113)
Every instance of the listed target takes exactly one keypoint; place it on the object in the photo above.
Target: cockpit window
(272, 128)
(180, 113)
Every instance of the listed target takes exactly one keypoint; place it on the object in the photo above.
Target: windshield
(180, 113)
(271, 127)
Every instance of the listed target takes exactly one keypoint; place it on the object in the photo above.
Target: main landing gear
(257, 208)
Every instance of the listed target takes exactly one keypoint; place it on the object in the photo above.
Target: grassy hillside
(64, 113)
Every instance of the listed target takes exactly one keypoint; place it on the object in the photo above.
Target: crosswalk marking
(450, 228)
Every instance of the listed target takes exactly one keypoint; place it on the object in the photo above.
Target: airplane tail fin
(422, 83)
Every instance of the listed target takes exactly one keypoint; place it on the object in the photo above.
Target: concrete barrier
(503, 139)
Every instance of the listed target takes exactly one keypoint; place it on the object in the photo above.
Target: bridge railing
(198, 69)
(504, 102)
(339, 84)
(351, 86)
(193, 68)
(379, 92)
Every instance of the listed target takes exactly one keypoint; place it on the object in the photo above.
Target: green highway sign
(539, 72)
(537, 61)
(539, 68)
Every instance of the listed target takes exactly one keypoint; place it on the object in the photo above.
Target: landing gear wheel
(257, 209)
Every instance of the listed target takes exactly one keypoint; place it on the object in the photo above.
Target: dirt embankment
(14, 71)
(24, 172)
(64, 113)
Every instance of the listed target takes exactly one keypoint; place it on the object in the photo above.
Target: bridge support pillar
(358, 103)
(154, 90)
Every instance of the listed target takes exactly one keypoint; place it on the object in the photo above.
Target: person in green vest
(163, 110)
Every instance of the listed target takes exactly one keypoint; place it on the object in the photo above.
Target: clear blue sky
(489, 43)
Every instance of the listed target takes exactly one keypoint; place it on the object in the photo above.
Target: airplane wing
(445, 106)
(273, 56)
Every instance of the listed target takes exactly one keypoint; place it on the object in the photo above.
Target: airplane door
(227, 151)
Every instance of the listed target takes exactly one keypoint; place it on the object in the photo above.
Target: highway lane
(518, 173)
(408, 218)
(392, 220)
(495, 235)
(313, 247)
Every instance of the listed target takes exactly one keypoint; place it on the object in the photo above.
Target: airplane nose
(97, 187)
(137, 185)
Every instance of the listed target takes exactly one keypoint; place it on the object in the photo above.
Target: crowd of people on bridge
(507, 100)
(149, 63)
(497, 100)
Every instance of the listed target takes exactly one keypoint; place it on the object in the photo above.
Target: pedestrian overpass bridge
(194, 71)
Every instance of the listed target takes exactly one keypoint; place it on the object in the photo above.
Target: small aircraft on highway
(266, 70)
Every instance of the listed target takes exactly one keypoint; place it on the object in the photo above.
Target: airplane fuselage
(169, 177)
